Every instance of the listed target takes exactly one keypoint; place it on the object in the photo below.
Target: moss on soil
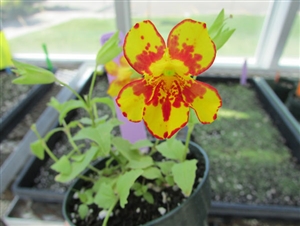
(249, 160)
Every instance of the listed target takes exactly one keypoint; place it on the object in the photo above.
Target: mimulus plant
(165, 95)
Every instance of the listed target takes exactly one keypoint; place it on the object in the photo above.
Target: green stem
(92, 83)
(153, 148)
(108, 213)
(188, 138)
(68, 133)
(86, 178)
(71, 89)
(94, 169)
(48, 151)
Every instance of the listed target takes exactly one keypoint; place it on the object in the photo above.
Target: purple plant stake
(129, 130)
(243, 79)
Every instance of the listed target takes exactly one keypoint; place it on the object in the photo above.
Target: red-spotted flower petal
(190, 43)
(143, 46)
(203, 98)
(166, 113)
(132, 99)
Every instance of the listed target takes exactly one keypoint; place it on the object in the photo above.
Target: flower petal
(203, 98)
(166, 113)
(190, 43)
(112, 68)
(132, 98)
(143, 46)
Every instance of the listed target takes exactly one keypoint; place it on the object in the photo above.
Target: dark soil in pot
(250, 162)
(137, 211)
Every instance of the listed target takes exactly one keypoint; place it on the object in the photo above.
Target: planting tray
(12, 117)
(290, 131)
(48, 120)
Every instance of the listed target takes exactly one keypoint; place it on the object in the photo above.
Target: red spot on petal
(136, 26)
(142, 37)
(166, 135)
(193, 90)
(215, 116)
(125, 114)
(204, 25)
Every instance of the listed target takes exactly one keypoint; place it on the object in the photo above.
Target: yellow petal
(112, 68)
(166, 113)
(203, 98)
(190, 43)
(132, 98)
(143, 46)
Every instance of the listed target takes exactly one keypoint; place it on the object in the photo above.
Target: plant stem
(86, 178)
(188, 138)
(92, 83)
(71, 89)
(94, 169)
(68, 133)
(153, 148)
(48, 151)
(108, 213)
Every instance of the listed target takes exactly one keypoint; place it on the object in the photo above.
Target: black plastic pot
(11, 118)
(193, 211)
(293, 104)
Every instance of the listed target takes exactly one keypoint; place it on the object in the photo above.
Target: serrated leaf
(78, 167)
(83, 210)
(184, 174)
(166, 167)
(148, 197)
(105, 196)
(123, 146)
(77, 157)
(142, 144)
(106, 100)
(62, 166)
(66, 107)
(172, 149)
(102, 180)
(140, 163)
(151, 173)
(37, 149)
(124, 184)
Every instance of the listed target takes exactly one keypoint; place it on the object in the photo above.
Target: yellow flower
(164, 96)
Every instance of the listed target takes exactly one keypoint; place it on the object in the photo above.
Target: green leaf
(31, 75)
(78, 167)
(142, 143)
(83, 210)
(166, 167)
(222, 37)
(105, 196)
(66, 107)
(109, 50)
(106, 100)
(184, 175)
(217, 24)
(148, 197)
(124, 184)
(86, 197)
(123, 147)
(140, 163)
(151, 173)
(102, 180)
(172, 149)
(170, 180)
(37, 149)
(63, 165)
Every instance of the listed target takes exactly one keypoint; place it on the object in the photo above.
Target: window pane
(248, 20)
(65, 27)
(291, 52)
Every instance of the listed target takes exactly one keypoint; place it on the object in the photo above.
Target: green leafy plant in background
(125, 163)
